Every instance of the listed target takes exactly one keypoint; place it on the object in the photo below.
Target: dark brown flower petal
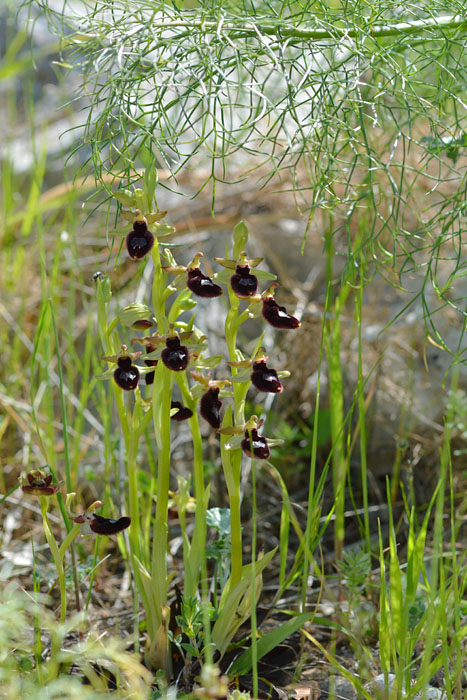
(243, 283)
(175, 356)
(39, 483)
(183, 412)
(139, 241)
(254, 445)
(210, 407)
(265, 379)
(107, 526)
(126, 375)
(277, 316)
(201, 285)
(149, 377)
(39, 490)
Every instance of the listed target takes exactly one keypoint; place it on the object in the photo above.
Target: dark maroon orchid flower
(126, 375)
(277, 315)
(39, 483)
(183, 412)
(175, 356)
(265, 379)
(201, 285)
(91, 522)
(139, 241)
(210, 407)
(254, 445)
(108, 526)
(244, 284)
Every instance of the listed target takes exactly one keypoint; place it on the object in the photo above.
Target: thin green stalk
(132, 472)
(197, 550)
(235, 523)
(110, 347)
(55, 555)
(69, 486)
(362, 417)
(208, 655)
(69, 539)
(254, 641)
(310, 520)
(92, 574)
(332, 338)
(37, 626)
(234, 462)
(158, 290)
(162, 395)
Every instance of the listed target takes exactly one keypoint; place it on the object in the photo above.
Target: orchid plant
(174, 359)
(39, 482)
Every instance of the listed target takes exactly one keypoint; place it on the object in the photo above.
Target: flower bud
(240, 235)
(132, 314)
(104, 291)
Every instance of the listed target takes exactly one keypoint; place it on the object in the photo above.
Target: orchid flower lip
(254, 445)
(265, 378)
(126, 375)
(210, 406)
(108, 526)
(277, 316)
(244, 284)
(175, 356)
(202, 285)
(183, 413)
(140, 240)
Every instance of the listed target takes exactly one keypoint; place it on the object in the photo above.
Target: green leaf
(219, 519)
(209, 362)
(270, 641)
(235, 604)
(161, 230)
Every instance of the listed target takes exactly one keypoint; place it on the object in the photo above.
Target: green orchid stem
(112, 326)
(162, 395)
(236, 521)
(69, 539)
(55, 555)
(158, 290)
(234, 464)
(254, 645)
(135, 532)
(197, 549)
(111, 348)
(137, 551)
